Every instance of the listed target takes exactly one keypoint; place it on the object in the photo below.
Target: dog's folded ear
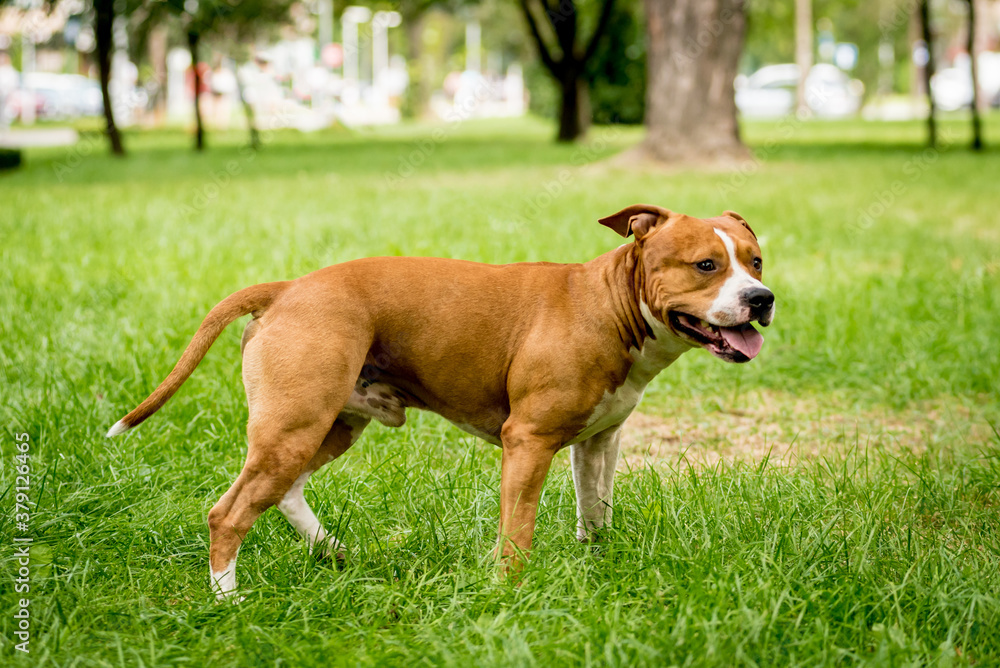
(742, 221)
(637, 219)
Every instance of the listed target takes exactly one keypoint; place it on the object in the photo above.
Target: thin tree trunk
(420, 78)
(583, 104)
(247, 109)
(105, 17)
(694, 50)
(913, 35)
(574, 112)
(803, 51)
(569, 69)
(925, 27)
(977, 129)
(199, 136)
(157, 52)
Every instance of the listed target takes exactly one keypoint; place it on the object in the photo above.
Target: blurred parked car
(65, 95)
(952, 89)
(770, 92)
(952, 86)
(55, 96)
(18, 100)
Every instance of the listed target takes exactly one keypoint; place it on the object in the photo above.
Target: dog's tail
(249, 300)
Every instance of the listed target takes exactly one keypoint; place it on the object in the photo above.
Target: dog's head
(701, 278)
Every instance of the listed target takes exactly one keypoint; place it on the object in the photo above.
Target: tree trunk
(803, 51)
(694, 50)
(247, 109)
(105, 18)
(157, 52)
(574, 110)
(420, 76)
(977, 128)
(913, 35)
(925, 27)
(569, 69)
(199, 132)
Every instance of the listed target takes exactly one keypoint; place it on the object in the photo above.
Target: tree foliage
(233, 20)
(566, 54)
(617, 72)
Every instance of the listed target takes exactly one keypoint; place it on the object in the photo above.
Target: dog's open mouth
(733, 344)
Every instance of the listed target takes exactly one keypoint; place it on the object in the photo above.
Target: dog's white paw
(223, 583)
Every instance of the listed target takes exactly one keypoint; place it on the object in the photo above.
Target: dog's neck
(649, 342)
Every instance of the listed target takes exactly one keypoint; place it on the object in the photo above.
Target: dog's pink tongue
(745, 339)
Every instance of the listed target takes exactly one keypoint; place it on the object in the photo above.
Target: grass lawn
(834, 502)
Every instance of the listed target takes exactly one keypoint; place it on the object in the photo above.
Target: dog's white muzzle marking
(728, 309)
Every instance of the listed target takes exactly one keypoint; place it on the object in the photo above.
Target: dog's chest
(616, 405)
(612, 409)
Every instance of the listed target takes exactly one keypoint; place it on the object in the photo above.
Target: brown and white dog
(531, 357)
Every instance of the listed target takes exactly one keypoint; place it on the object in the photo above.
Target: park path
(38, 137)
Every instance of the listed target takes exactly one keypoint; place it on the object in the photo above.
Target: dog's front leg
(526, 460)
(594, 462)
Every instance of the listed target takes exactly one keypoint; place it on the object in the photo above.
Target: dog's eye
(706, 265)
(757, 263)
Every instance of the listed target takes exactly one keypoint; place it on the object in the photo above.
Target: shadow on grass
(166, 156)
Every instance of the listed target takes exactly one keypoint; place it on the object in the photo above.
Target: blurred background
(833, 502)
(315, 64)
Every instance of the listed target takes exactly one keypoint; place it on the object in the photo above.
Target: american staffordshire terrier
(531, 357)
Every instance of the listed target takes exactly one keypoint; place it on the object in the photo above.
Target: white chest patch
(656, 355)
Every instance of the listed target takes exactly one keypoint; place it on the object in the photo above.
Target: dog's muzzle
(760, 301)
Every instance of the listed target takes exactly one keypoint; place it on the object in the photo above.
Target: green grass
(886, 262)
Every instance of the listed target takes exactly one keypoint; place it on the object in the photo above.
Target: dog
(532, 357)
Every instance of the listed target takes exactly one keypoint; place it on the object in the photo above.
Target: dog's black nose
(760, 300)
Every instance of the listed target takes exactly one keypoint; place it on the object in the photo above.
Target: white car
(952, 89)
(952, 86)
(770, 92)
(64, 96)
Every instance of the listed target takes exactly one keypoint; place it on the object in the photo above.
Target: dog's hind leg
(294, 399)
(275, 458)
(294, 506)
